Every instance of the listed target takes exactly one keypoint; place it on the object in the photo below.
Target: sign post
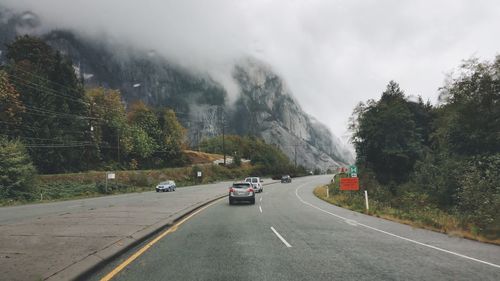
(199, 174)
(366, 200)
(109, 176)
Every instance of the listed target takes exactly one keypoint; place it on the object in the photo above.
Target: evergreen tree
(386, 136)
(16, 171)
(54, 105)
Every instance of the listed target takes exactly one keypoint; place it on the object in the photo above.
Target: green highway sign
(353, 171)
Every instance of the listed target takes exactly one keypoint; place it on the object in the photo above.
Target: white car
(256, 183)
(166, 186)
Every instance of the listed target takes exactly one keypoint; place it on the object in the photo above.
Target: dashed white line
(281, 238)
(392, 234)
(260, 209)
(260, 199)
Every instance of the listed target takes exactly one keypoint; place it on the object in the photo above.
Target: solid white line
(351, 222)
(281, 237)
(260, 208)
(394, 235)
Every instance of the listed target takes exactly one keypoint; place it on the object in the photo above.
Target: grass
(197, 157)
(427, 218)
(60, 187)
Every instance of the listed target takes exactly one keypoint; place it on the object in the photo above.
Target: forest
(416, 156)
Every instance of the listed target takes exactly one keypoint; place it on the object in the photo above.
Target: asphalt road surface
(289, 234)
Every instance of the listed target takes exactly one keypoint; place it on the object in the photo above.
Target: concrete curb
(84, 268)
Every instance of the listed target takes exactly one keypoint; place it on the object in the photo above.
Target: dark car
(241, 191)
(286, 179)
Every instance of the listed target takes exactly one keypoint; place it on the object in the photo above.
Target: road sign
(111, 176)
(353, 169)
(198, 174)
(354, 175)
(349, 184)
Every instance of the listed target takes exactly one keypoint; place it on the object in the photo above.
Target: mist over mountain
(255, 101)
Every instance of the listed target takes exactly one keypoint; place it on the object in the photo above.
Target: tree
(143, 146)
(55, 109)
(173, 136)
(111, 133)
(141, 115)
(470, 116)
(16, 170)
(386, 136)
(11, 107)
(269, 158)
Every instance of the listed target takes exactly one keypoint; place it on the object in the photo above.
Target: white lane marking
(281, 238)
(392, 234)
(260, 199)
(351, 222)
(260, 209)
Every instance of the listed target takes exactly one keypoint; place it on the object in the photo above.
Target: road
(60, 240)
(289, 234)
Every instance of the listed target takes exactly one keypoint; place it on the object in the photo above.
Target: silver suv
(256, 183)
(241, 191)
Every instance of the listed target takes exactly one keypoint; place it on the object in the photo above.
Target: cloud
(331, 53)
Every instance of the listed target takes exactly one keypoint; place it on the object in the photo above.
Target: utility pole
(223, 138)
(223, 122)
(118, 147)
(295, 156)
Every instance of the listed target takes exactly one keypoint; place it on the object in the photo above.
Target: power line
(45, 79)
(25, 137)
(57, 145)
(36, 86)
(45, 112)
(32, 84)
(16, 126)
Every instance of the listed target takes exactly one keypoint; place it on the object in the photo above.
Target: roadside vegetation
(434, 166)
(422, 216)
(67, 186)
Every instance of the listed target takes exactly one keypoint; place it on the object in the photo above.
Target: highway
(289, 234)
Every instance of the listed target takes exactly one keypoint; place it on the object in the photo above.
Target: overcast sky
(332, 54)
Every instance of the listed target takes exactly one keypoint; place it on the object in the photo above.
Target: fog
(332, 54)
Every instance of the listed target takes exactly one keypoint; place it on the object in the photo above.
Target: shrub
(479, 193)
(16, 171)
(112, 187)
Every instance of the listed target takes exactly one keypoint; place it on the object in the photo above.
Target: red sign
(349, 184)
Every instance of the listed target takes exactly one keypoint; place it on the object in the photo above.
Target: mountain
(265, 106)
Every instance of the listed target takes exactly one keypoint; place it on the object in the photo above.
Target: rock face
(264, 108)
(273, 114)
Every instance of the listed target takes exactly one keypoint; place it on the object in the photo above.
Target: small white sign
(198, 174)
(111, 176)
(354, 175)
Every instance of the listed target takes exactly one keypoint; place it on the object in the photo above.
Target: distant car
(256, 183)
(286, 179)
(166, 186)
(241, 191)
